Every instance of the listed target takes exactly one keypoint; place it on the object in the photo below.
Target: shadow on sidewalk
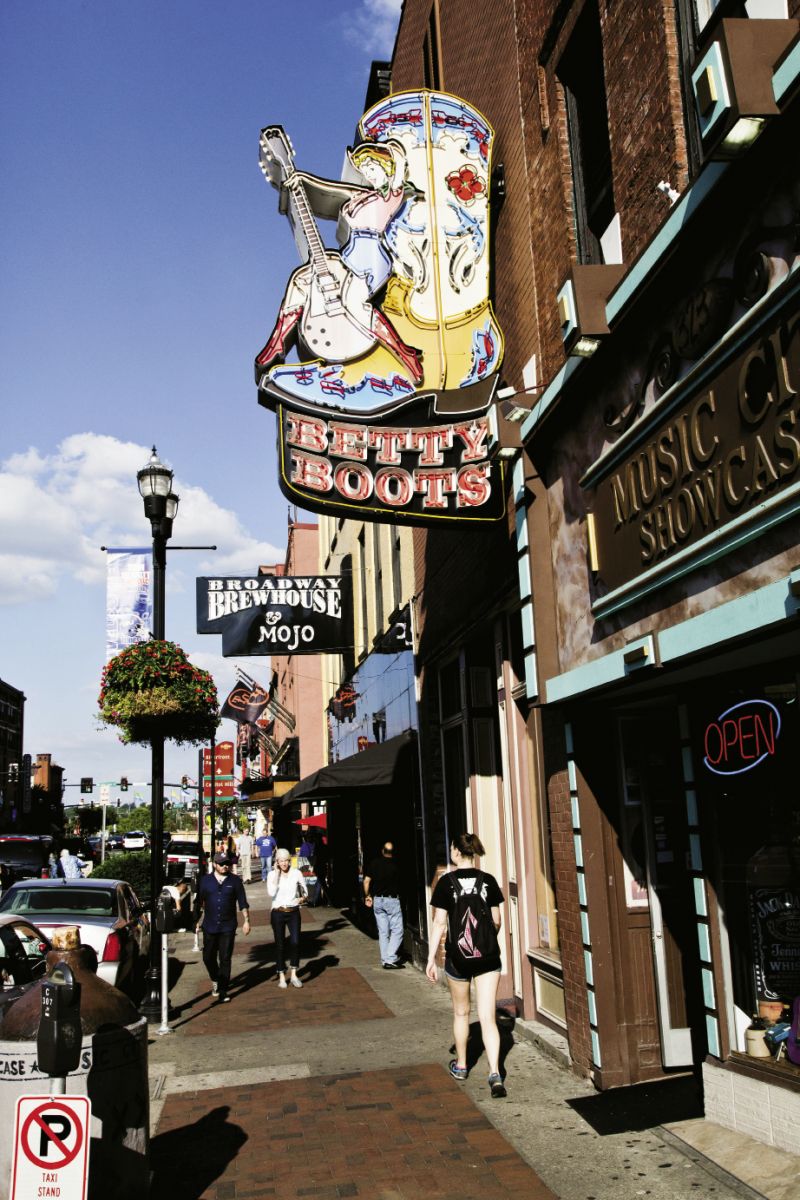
(642, 1106)
(260, 967)
(186, 1161)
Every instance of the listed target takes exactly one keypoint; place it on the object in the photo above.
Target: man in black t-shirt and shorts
(382, 895)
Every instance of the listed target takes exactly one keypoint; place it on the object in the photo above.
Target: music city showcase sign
(275, 614)
(383, 414)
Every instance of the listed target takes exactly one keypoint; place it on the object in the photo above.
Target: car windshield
(89, 902)
(184, 848)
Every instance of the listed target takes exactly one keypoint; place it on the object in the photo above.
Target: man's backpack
(472, 933)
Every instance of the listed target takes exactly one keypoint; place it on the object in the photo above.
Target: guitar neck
(308, 227)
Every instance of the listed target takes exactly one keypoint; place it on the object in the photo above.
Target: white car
(137, 839)
(107, 912)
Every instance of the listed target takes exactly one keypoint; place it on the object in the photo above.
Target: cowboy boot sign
(383, 359)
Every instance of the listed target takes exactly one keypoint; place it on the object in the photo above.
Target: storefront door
(657, 862)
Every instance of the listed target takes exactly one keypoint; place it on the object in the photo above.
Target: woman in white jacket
(287, 889)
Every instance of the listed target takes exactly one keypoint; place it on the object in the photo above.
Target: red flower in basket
(466, 184)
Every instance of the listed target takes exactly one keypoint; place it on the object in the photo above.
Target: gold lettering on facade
(731, 447)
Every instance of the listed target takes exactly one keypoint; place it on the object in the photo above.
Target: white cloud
(57, 509)
(372, 26)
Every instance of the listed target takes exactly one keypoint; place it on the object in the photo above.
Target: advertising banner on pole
(129, 605)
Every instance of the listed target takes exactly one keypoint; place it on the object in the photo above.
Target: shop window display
(747, 737)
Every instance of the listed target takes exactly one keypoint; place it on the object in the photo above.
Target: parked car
(108, 913)
(185, 858)
(136, 839)
(23, 949)
(25, 856)
(114, 842)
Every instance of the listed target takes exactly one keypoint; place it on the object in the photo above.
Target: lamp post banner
(129, 602)
(276, 614)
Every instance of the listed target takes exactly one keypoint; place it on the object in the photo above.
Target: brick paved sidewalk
(402, 1134)
(332, 998)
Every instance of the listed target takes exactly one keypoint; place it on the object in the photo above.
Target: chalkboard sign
(775, 924)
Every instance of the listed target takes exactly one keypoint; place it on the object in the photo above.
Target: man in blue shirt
(218, 895)
(266, 850)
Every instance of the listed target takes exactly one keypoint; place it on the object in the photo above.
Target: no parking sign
(51, 1148)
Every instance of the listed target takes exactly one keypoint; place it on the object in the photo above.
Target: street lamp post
(160, 507)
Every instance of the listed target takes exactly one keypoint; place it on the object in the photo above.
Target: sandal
(456, 1071)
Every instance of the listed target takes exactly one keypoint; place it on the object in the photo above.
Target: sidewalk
(342, 1090)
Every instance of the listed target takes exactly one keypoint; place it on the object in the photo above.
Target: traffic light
(123, 784)
(184, 781)
(118, 801)
(87, 785)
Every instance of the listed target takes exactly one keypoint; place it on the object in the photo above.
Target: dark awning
(379, 766)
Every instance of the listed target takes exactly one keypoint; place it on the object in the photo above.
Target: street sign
(51, 1147)
(105, 793)
(224, 786)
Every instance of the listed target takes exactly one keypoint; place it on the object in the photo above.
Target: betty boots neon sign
(384, 412)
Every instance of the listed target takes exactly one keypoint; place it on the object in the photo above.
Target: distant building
(299, 734)
(47, 810)
(12, 715)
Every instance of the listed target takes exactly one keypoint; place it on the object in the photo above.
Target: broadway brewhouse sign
(729, 455)
(275, 614)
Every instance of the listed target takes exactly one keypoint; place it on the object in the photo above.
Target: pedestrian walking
(244, 848)
(70, 865)
(382, 895)
(287, 890)
(266, 846)
(466, 905)
(218, 894)
(229, 848)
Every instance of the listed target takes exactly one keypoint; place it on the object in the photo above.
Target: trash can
(112, 1073)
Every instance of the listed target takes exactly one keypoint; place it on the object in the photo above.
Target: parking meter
(58, 1042)
(166, 913)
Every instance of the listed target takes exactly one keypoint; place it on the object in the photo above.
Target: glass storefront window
(747, 779)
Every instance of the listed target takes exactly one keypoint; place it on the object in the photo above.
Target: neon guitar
(328, 304)
(336, 321)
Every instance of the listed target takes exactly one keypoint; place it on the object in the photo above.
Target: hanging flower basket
(152, 690)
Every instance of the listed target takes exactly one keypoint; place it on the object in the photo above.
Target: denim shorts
(486, 967)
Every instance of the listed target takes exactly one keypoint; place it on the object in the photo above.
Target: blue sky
(143, 263)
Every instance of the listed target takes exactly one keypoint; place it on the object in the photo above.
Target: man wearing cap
(218, 895)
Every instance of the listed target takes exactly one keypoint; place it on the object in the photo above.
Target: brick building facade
(642, 600)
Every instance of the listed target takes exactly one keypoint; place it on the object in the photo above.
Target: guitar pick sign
(278, 614)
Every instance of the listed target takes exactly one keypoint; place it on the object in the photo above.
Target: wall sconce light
(504, 431)
(514, 406)
(732, 82)
(582, 306)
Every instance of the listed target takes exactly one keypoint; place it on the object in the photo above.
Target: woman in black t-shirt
(470, 953)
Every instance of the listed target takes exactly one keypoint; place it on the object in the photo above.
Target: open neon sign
(742, 737)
